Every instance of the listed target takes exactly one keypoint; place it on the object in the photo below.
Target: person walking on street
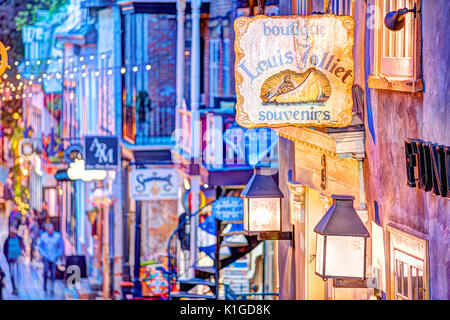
(33, 232)
(43, 216)
(15, 218)
(51, 247)
(2, 283)
(12, 249)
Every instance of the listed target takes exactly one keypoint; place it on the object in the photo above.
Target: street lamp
(395, 20)
(341, 242)
(262, 202)
(262, 206)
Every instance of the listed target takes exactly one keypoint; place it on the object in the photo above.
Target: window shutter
(397, 54)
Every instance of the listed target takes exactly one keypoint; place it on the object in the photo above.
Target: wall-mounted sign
(154, 184)
(101, 152)
(294, 70)
(72, 152)
(428, 166)
(228, 209)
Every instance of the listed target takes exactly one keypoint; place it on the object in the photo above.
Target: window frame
(408, 83)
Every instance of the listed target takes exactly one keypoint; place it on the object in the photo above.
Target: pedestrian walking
(51, 248)
(33, 232)
(15, 218)
(12, 249)
(2, 283)
(43, 216)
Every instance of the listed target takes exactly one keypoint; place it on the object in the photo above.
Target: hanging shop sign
(228, 209)
(428, 166)
(294, 70)
(61, 175)
(72, 152)
(101, 152)
(154, 184)
(26, 147)
(3, 58)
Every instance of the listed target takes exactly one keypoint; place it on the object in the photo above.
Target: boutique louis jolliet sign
(294, 71)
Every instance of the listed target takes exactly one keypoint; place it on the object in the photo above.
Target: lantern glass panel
(264, 214)
(319, 254)
(344, 257)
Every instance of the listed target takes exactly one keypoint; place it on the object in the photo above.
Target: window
(214, 50)
(397, 53)
(340, 7)
(301, 7)
(408, 266)
(226, 68)
(409, 273)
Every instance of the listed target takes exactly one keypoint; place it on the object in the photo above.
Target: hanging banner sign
(153, 184)
(101, 152)
(228, 209)
(294, 70)
(72, 152)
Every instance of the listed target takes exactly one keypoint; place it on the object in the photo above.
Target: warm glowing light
(96, 73)
(109, 72)
(148, 67)
(135, 68)
(123, 70)
(81, 58)
(18, 77)
(91, 57)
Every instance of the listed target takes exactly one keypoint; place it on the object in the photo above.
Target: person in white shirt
(50, 247)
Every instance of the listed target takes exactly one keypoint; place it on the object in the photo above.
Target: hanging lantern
(341, 242)
(262, 203)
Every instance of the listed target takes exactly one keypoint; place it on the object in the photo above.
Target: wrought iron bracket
(278, 235)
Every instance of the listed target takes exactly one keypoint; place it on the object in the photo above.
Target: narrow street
(30, 283)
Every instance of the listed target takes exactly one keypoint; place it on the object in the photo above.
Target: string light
(135, 69)
(123, 70)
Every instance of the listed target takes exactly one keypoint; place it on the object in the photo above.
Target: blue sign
(228, 209)
(101, 152)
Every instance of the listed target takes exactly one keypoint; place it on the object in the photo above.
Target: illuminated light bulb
(23, 95)
(71, 96)
(10, 98)
(32, 77)
(17, 96)
(103, 56)
(58, 75)
(123, 70)
(25, 86)
(83, 66)
(186, 53)
(30, 95)
(39, 79)
(44, 75)
(75, 69)
(84, 74)
(5, 76)
(27, 63)
(59, 60)
(1, 90)
(96, 73)
(13, 89)
(91, 57)
(16, 63)
(49, 61)
(109, 72)
(7, 89)
(135, 68)
(71, 76)
(66, 71)
(30, 82)
(81, 58)
(38, 62)
(18, 77)
(3, 98)
(20, 83)
(71, 60)
(148, 67)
